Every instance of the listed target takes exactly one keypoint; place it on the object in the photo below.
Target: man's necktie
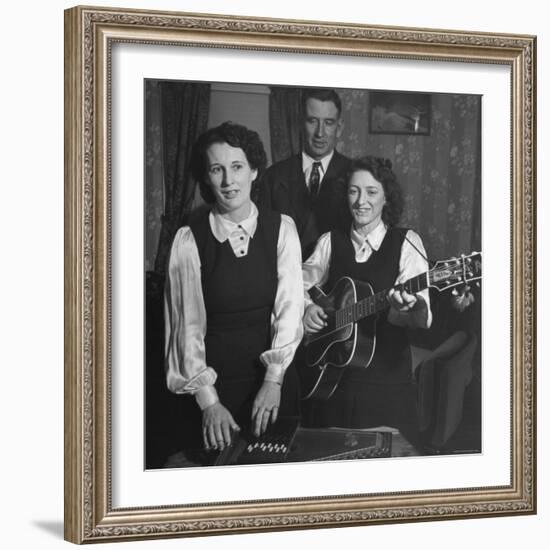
(315, 179)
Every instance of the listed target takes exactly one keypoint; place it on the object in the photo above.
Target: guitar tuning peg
(454, 292)
(478, 284)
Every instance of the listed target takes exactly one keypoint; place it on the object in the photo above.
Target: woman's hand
(265, 407)
(315, 318)
(402, 301)
(217, 424)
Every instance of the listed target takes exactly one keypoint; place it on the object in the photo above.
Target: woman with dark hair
(371, 248)
(233, 303)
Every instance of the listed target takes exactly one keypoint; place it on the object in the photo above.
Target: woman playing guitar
(370, 248)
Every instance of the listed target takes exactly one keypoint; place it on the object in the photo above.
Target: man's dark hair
(322, 94)
(234, 135)
(381, 170)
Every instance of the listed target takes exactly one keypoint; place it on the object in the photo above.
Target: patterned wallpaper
(439, 173)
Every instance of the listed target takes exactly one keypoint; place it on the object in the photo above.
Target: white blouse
(412, 262)
(185, 315)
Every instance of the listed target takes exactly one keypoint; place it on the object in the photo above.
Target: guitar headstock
(455, 271)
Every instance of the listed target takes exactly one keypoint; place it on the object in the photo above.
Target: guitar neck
(444, 275)
(378, 302)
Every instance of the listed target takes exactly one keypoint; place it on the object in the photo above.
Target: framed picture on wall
(399, 113)
(183, 135)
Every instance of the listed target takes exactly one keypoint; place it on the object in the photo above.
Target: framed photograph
(148, 95)
(399, 113)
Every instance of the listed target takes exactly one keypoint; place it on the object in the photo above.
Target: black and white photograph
(313, 274)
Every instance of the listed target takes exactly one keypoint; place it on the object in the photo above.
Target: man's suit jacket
(283, 189)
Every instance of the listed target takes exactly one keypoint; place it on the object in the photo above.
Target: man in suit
(310, 186)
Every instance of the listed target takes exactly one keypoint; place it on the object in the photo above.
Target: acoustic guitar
(349, 337)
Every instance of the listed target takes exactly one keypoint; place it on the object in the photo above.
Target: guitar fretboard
(377, 302)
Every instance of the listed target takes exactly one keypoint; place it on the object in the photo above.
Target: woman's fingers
(205, 438)
(315, 318)
(401, 300)
(212, 440)
(320, 316)
(316, 324)
(408, 299)
(257, 421)
(395, 298)
(260, 421)
(274, 414)
(218, 434)
(265, 420)
(226, 430)
(266, 406)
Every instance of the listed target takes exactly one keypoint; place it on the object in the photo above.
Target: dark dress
(239, 295)
(381, 394)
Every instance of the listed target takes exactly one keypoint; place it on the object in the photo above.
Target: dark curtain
(183, 117)
(184, 112)
(284, 122)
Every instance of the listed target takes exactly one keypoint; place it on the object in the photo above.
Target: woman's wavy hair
(381, 170)
(235, 135)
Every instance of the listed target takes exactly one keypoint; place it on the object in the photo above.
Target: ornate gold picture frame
(91, 515)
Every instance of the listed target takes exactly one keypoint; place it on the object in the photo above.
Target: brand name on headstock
(442, 275)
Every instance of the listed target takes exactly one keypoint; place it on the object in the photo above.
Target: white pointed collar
(222, 227)
(373, 239)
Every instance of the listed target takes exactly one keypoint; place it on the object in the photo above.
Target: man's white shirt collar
(307, 162)
(222, 227)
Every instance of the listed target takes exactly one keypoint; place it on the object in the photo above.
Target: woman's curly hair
(234, 135)
(381, 170)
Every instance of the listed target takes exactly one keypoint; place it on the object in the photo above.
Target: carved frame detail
(89, 35)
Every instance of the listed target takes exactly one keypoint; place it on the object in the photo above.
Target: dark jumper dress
(239, 295)
(381, 394)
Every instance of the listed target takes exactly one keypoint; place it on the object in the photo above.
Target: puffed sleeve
(412, 262)
(286, 317)
(315, 269)
(185, 324)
